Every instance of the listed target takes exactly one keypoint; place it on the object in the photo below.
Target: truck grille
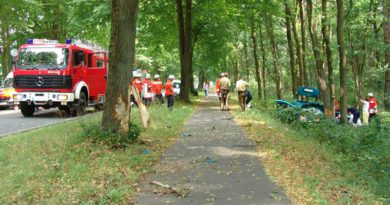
(45, 81)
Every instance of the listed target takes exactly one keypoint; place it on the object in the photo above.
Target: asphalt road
(12, 121)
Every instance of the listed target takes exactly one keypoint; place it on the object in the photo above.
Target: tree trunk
(5, 55)
(263, 62)
(303, 37)
(330, 109)
(256, 59)
(116, 115)
(301, 69)
(343, 70)
(275, 59)
(318, 60)
(294, 86)
(185, 39)
(246, 58)
(386, 30)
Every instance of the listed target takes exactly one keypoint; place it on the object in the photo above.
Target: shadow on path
(213, 162)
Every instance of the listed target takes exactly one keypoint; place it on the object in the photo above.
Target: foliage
(322, 162)
(97, 135)
(364, 150)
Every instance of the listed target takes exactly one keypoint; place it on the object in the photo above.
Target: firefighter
(218, 86)
(137, 82)
(138, 85)
(147, 90)
(169, 91)
(157, 88)
(373, 108)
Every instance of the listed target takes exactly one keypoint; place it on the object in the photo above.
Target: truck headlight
(17, 97)
(62, 97)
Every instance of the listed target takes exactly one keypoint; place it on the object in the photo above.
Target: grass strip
(56, 165)
(310, 172)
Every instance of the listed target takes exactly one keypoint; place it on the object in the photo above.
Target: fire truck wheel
(79, 108)
(27, 110)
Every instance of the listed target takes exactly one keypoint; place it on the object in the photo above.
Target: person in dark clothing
(248, 98)
(355, 114)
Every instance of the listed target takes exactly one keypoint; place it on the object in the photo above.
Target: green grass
(56, 165)
(311, 172)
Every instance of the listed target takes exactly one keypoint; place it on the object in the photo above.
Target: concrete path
(213, 162)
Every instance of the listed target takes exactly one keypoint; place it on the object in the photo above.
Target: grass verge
(311, 172)
(56, 165)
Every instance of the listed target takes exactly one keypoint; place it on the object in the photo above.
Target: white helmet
(222, 74)
(370, 95)
(147, 76)
(171, 77)
(156, 76)
(137, 75)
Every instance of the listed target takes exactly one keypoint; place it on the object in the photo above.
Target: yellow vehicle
(6, 91)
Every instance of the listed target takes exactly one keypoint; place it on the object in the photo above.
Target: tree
(342, 63)
(256, 58)
(294, 86)
(386, 29)
(185, 47)
(116, 114)
(329, 109)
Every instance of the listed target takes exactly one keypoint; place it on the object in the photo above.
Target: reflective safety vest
(157, 87)
(147, 89)
(169, 88)
(138, 84)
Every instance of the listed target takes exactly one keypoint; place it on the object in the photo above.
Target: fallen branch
(183, 193)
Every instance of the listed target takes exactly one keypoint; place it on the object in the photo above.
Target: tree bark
(246, 58)
(303, 37)
(330, 109)
(318, 60)
(116, 114)
(386, 29)
(343, 70)
(263, 62)
(185, 42)
(5, 55)
(275, 59)
(294, 86)
(256, 59)
(301, 74)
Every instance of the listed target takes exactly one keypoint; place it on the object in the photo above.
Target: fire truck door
(97, 73)
(79, 67)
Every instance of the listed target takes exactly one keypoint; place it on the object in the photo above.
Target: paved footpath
(214, 162)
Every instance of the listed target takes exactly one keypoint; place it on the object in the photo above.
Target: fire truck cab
(69, 76)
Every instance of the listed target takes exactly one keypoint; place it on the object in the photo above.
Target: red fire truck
(69, 76)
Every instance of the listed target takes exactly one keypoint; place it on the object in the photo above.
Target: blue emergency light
(68, 41)
(30, 41)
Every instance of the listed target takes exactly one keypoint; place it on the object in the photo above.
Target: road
(12, 121)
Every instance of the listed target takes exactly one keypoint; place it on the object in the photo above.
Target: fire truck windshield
(42, 58)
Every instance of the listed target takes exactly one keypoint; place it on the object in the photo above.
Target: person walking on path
(206, 88)
(373, 106)
(365, 111)
(169, 91)
(241, 87)
(157, 88)
(225, 88)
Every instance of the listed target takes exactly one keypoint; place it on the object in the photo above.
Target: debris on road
(171, 190)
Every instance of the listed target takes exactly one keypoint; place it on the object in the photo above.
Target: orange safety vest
(157, 87)
(169, 88)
